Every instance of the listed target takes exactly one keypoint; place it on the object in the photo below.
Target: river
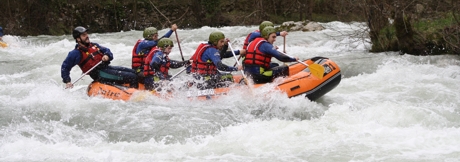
(388, 107)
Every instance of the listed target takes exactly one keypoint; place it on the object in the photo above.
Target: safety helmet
(265, 24)
(149, 32)
(267, 31)
(78, 31)
(214, 37)
(165, 42)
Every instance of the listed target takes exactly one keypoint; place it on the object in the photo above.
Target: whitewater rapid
(388, 107)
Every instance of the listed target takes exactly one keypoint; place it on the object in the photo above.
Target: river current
(388, 107)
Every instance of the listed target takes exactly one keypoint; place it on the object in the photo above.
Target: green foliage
(431, 26)
(386, 40)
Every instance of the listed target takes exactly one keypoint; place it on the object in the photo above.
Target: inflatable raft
(299, 82)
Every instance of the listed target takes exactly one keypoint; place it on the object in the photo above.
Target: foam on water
(388, 107)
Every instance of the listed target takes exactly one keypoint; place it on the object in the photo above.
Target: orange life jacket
(199, 66)
(255, 57)
(246, 41)
(148, 71)
(89, 57)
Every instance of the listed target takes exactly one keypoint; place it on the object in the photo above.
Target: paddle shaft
(237, 61)
(242, 72)
(178, 44)
(178, 72)
(87, 72)
(296, 60)
(284, 44)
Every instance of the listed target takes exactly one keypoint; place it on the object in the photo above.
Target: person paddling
(207, 62)
(157, 64)
(257, 33)
(257, 63)
(87, 55)
(144, 47)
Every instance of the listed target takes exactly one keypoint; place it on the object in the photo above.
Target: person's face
(155, 36)
(271, 38)
(220, 43)
(167, 50)
(84, 38)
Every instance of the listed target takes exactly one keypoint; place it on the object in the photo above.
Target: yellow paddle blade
(3, 44)
(316, 70)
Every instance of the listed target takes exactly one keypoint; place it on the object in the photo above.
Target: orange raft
(299, 82)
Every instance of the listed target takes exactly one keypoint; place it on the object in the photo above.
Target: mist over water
(388, 107)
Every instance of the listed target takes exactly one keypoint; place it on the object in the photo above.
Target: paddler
(257, 63)
(87, 55)
(207, 62)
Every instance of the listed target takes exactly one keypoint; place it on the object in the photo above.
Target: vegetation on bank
(422, 27)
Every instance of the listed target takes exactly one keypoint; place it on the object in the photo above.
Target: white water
(388, 107)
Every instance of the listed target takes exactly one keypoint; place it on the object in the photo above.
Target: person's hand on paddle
(173, 27)
(226, 41)
(242, 52)
(105, 58)
(283, 33)
(239, 67)
(68, 85)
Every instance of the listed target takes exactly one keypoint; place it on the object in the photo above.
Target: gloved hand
(188, 62)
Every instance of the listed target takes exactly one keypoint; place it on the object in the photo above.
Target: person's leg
(280, 71)
(148, 83)
(118, 74)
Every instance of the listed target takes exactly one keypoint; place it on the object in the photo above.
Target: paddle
(237, 61)
(284, 44)
(242, 72)
(178, 44)
(185, 68)
(86, 72)
(284, 47)
(316, 69)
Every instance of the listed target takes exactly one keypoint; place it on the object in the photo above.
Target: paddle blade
(3, 44)
(316, 70)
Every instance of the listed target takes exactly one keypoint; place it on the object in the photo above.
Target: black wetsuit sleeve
(177, 64)
(223, 67)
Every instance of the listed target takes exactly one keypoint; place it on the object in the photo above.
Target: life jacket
(246, 41)
(200, 67)
(138, 58)
(148, 71)
(255, 57)
(164, 68)
(89, 57)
